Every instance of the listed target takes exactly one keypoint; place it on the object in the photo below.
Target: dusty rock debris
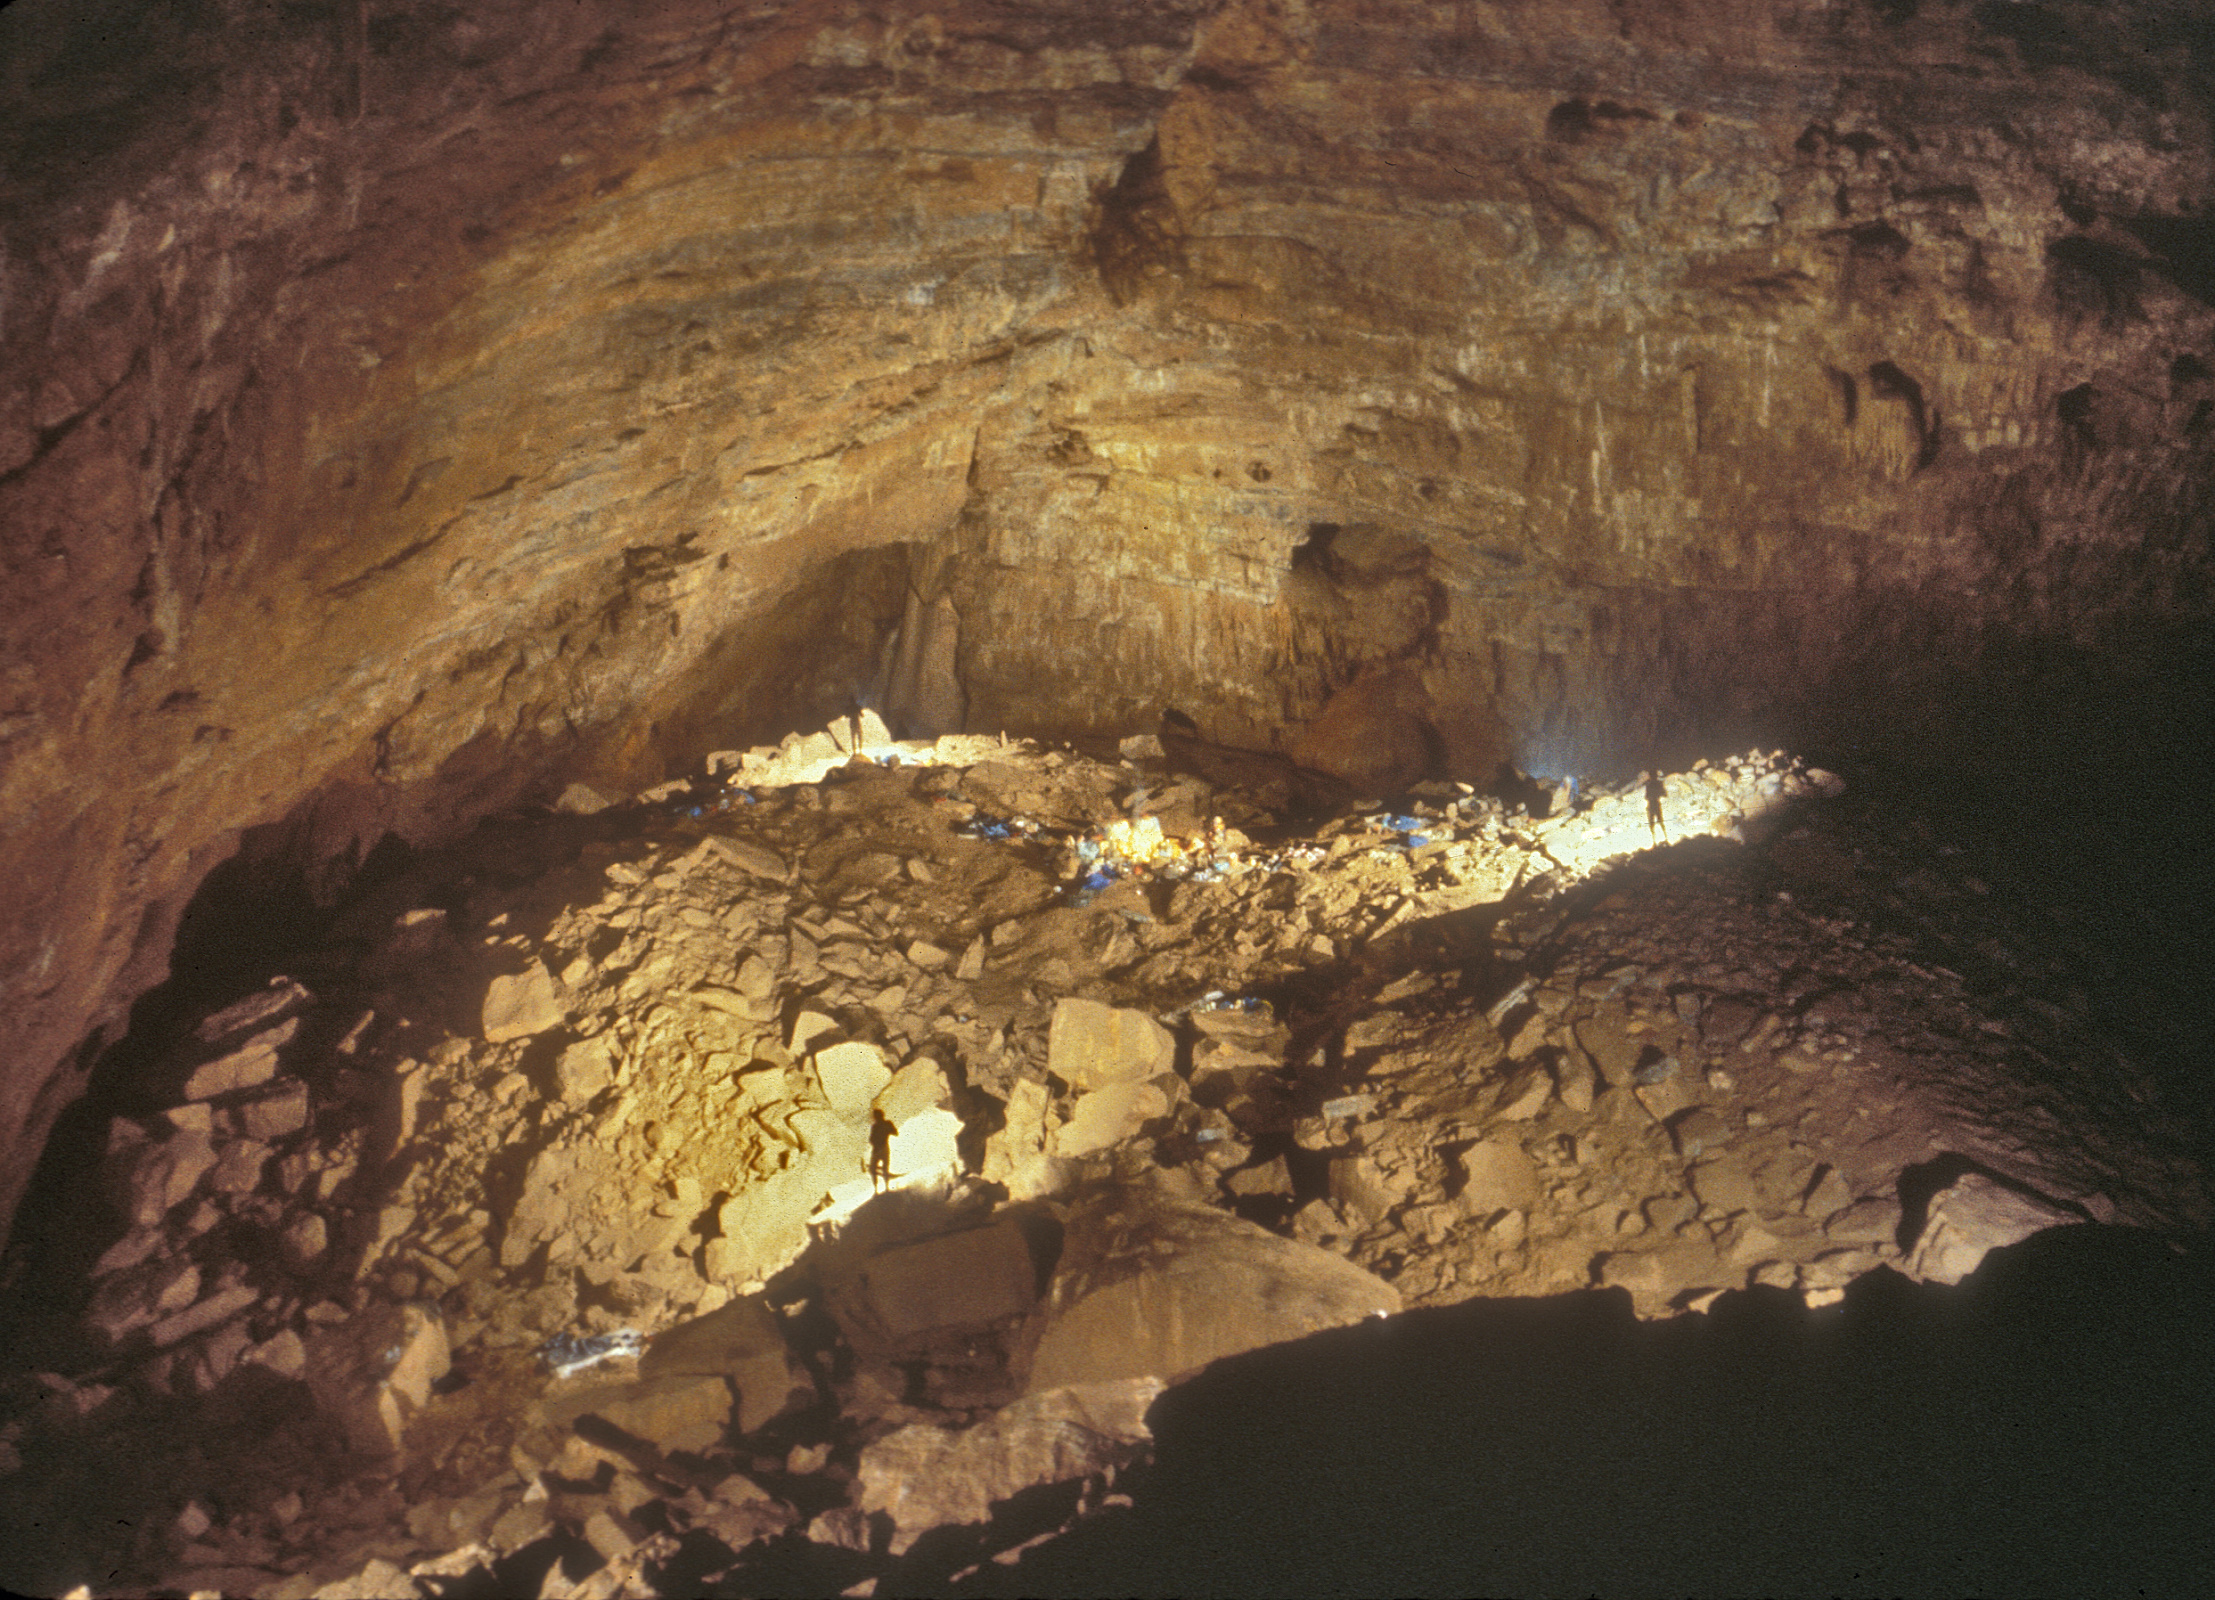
(519, 1233)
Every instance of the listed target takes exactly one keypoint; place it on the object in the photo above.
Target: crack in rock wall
(408, 410)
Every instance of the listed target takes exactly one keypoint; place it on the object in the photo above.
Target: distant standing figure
(1655, 827)
(880, 1152)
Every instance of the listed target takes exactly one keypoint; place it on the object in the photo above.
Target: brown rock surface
(1398, 388)
(924, 1477)
(1147, 1290)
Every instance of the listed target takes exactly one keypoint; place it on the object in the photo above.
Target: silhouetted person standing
(1657, 829)
(880, 1152)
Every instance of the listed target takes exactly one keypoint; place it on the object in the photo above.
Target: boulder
(1661, 1279)
(277, 1115)
(542, 1207)
(1016, 1155)
(140, 1296)
(765, 1224)
(1723, 1185)
(520, 1005)
(1525, 1093)
(582, 800)
(688, 1412)
(969, 1279)
(257, 1010)
(1108, 1115)
(238, 1169)
(924, 1477)
(1973, 1216)
(1496, 1176)
(918, 1086)
(1091, 1045)
(1612, 1051)
(148, 1173)
(378, 1580)
(1150, 1289)
(851, 1075)
(583, 1069)
(742, 1343)
(217, 1308)
(373, 1372)
(251, 1064)
(926, 1146)
(756, 860)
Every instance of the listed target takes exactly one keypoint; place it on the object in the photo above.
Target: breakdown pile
(545, 1179)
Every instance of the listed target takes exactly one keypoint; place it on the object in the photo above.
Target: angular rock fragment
(1016, 1155)
(373, 1372)
(1147, 1289)
(1091, 1045)
(1723, 1186)
(754, 859)
(140, 1296)
(851, 1076)
(683, 1412)
(275, 1116)
(742, 1344)
(1109, 1115)
(251, 1064)
(968, 1279)
(519, 1005)
(218, 1307)
(1525, 1093)
(1661, 1278)
(582, 800)
(282, 997)
(925, 1477)
(1496, 1176)
(583, 1069)
(148, 1175)
(1971, 1217)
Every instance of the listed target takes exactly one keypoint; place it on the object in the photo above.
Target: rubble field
(522, 1235)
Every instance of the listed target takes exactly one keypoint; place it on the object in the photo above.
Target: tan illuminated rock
(918, 1086)
(1152, 1290)
(1092, 1045)
(521, 1004)
(925, 1477)
(1971, 1217)
(251, 1064)
(852, 1075)
(1108, 1115)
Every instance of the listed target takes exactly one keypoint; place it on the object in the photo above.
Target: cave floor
(610, 1071)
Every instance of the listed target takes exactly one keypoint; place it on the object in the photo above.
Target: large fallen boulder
(1091, 1045)
(924, 1477)
(1150, 1289)
(740, 1342)
(955, 1281)
(1971, 1217)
